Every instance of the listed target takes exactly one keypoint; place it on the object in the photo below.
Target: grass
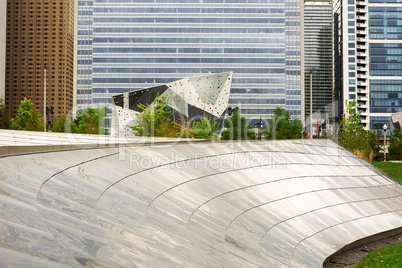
(393, 169)
(389, 256)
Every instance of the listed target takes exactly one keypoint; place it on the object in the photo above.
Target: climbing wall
(210, 93)
(177, 95)
(203, 94)
(122, 116)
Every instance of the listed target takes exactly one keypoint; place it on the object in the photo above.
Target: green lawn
(393, 169)
(389, 256)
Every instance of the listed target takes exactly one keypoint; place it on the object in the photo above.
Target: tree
(353, 137)
(237, 128)
(155, 119)
(281, 126)
(205, 128)
(395, 145)
(28, 118)
(90, 121)
(4, 117)
(62, 124)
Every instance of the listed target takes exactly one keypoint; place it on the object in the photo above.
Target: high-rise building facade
(124, 45)
(368, 55)
(39, 33)
(3, 21)
(318, 60)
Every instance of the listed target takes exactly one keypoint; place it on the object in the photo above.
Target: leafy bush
(281, 127)
(353, 137)
(237, 128)
(62, 124)
(4, 117)
(28, 118)
(90, 121)
(205, 128)
(395, 145)
(155, 119)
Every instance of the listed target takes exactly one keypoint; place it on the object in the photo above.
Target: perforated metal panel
(190, 98)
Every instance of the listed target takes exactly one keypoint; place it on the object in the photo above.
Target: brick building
(39, 33)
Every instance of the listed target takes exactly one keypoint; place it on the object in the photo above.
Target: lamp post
(311, 103)
(385, 140)
(44, 98)
(49, 115)
(258, 125)
(232, 110)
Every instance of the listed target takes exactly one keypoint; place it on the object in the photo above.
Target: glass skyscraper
(124, 45)
(368, 54)
(318, 56)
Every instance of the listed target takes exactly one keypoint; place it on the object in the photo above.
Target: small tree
(395, 145)
(62, 124)
(237, 128)
(90, 121)
(205, 128)
(4, 117)
(155, 119)
(353, 137)
(28, 118)
(282, 127)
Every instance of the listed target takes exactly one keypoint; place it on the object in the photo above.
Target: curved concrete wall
(250, 204)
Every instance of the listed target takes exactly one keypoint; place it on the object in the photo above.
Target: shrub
(282, 127)
(237, 128)
(353, 137)
(155, 119)
(28, 118)
(4, 117)
(395, 146)
(205, 128)
(90, 121)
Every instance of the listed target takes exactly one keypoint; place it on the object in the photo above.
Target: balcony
(362, 24)
(362, 69)
(364, 121)
(364, 84)
(362, 106)
(362, 89)
(361, 46)
(364, 31)
(362, 39)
